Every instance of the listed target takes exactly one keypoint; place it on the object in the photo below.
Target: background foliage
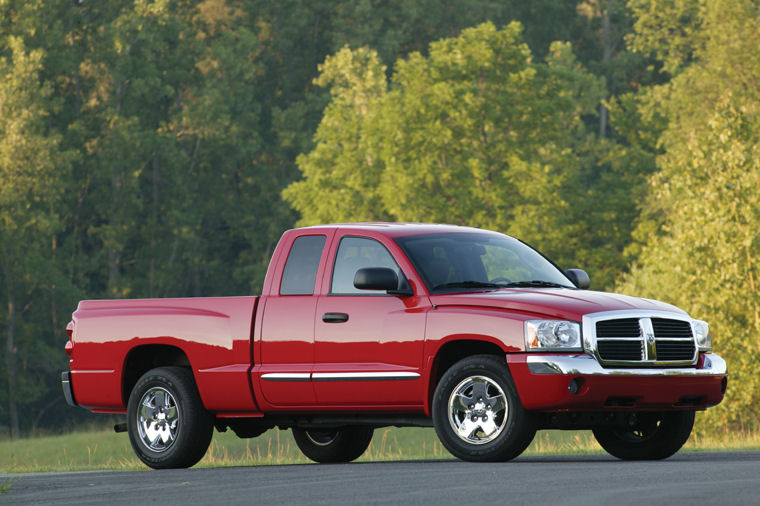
(154, 148)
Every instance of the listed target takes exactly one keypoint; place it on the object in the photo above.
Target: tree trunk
(606, 59)
(10, 349)
(154, 230)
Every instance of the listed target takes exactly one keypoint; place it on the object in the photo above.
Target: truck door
(368, 344)
(287, 332)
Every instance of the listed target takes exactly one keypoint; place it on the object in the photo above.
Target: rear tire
(167, 423)
(477, 413)
(343, 444)
(658, 436)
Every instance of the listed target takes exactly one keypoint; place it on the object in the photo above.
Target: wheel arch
(143, 358)
(453, 351)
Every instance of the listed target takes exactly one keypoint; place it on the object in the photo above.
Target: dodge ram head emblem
(650, 338)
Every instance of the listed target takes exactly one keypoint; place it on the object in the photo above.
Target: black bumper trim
(68, 391)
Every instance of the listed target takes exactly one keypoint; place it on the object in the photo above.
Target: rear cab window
(300, 273)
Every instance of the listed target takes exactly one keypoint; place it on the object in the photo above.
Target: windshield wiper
(469, 284)
(534, 283)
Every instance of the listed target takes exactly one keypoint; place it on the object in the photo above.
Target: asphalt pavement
(727, 478)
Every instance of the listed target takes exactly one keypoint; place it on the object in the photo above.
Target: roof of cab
(398, 229)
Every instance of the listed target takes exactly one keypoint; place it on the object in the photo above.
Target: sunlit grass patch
(103, 449)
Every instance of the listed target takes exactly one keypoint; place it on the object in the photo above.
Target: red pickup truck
(369, 325)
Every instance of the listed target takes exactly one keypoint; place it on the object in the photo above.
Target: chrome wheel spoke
(480, 389)
(488, 427)
(467, 429)
(171, 413)
(146, 410)
(166, 434)
(497, 403)
(152, 434)
(159, 399)
(462, 403)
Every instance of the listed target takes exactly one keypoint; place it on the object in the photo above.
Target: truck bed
(214, 334)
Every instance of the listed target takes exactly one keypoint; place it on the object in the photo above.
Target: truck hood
(552, 302)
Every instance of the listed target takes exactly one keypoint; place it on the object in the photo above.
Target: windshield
(477, 261)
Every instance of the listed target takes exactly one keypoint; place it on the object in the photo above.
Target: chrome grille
(644, 341)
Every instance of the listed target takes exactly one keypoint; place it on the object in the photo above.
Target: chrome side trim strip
(587, 365)
(364, 376)
(286, 376)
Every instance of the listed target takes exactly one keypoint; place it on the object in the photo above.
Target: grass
(102, 449)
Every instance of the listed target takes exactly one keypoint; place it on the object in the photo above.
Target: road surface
(686, 478)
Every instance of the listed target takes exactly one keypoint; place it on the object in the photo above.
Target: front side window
(355, 253)
(300, 273)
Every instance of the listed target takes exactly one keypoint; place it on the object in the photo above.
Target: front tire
(333, 445)
(656, 436)
(167, 423)
(477, 413)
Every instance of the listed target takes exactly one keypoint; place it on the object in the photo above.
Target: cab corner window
(300, 273)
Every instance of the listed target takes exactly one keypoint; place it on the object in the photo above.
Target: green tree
(30, 174)
(475, 133)
(698, 232)
(706, 258)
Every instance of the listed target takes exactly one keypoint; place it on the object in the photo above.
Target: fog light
(575, 385)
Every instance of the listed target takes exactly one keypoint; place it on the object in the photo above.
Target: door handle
(334, 317)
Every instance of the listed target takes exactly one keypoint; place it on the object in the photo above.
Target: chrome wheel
(340, 444)
(158, 419)
(477, 410)
(321, 438)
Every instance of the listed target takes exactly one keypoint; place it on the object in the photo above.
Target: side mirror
(379, 278)
(578, 277)
(376, 278)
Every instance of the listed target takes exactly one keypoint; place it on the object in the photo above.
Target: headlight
(702, 333)
(552, 335)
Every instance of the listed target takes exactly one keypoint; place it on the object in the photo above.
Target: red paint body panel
(253, 356)
(214, 334)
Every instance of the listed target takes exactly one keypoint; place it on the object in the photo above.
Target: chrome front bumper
(587, 365)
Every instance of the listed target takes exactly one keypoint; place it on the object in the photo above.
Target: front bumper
(576, 382)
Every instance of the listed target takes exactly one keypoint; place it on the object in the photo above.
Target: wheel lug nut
(485, 418)
(488, 407)
(472, 406)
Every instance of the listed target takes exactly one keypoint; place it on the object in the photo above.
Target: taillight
(69, 348)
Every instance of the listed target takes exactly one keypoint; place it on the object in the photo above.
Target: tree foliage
(698, 231)
(475, 133)
(31, 170)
